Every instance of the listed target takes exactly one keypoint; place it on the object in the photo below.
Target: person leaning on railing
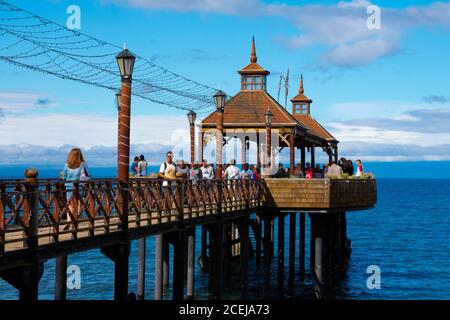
(334, 171)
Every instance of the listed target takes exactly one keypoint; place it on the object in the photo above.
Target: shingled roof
(314, 127)
(248, 108)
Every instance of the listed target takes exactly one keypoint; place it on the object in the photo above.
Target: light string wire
(36, 43)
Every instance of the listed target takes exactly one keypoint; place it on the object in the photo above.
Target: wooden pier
(41, 220)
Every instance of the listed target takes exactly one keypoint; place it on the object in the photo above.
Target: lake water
(406, 235)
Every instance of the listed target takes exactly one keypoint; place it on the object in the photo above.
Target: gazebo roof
(247, 109)
(300, 97)
(314, 127)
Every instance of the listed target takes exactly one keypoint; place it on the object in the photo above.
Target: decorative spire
(253, 57)
(301, 90)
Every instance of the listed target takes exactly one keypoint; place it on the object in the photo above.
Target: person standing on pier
(246, 172)
(195, 173)
(142, 166)
(232, 172)
(134, 166)
(334, 171)
(168, 169)
(359, 168)
(73, 171)
(207, 171)
(183, 169)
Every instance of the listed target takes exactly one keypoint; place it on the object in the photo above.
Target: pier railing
(320, 194)
(51, 211)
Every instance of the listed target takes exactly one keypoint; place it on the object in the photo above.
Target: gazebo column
(336, 154)
(243, 150)
(303, 157)
(258, 151)
(200, 145)
(313, 157)
(292, 151)
(330, 154)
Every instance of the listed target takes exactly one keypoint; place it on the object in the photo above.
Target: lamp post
(125, 61)
(219, 101)
(192, 116)
(268, 117)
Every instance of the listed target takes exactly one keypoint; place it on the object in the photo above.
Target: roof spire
(301, 90)
(253, 57)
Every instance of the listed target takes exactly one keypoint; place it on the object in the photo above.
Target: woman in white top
(142, 166)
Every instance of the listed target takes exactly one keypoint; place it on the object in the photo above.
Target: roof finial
(124, 45)
(301, 90)
(253, 57)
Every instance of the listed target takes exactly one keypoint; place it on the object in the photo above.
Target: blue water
(406, 235)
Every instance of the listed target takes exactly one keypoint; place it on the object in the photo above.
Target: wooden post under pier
(267, 256)
(203, 249)
(244, 255)
(258, 238)
(159, 273)
(292, 230)
(141, 269)
(119, 254)
(190, 264)
(280, 255)
(178, 265)
(302, 244)
(61, 278)
(166, 260)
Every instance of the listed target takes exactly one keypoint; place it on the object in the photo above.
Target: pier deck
(46, 219)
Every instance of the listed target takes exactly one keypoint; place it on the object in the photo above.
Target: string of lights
(35, 43)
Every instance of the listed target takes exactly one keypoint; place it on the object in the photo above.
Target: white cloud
(55, 130)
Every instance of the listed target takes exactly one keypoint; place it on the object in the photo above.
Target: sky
(381, 92)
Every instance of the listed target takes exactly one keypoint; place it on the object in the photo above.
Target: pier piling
(244, 256)
(61, 277)
(166, 260)
(158, 290)
(292, 230)
(190, 264)
(178, 265)
(141, 269)
(119, 254)
(302, 244)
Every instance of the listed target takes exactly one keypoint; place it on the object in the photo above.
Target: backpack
(165, 166)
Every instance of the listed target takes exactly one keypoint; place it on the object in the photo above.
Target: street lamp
(125, 61)
(118, 94)
(219, 100)
(192, 116)
(268, 117)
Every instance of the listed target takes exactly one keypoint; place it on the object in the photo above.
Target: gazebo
(245, 118)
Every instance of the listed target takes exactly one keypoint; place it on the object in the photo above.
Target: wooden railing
(49, 211)
(320, 194)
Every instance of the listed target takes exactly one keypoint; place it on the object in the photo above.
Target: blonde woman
(75, 170)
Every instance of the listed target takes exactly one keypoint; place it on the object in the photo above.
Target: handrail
(61, 210)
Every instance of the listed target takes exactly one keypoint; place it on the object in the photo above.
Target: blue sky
(382, 93)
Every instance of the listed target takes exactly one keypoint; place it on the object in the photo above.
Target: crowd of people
(328, 170)
(76, 169)
(170, 169)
